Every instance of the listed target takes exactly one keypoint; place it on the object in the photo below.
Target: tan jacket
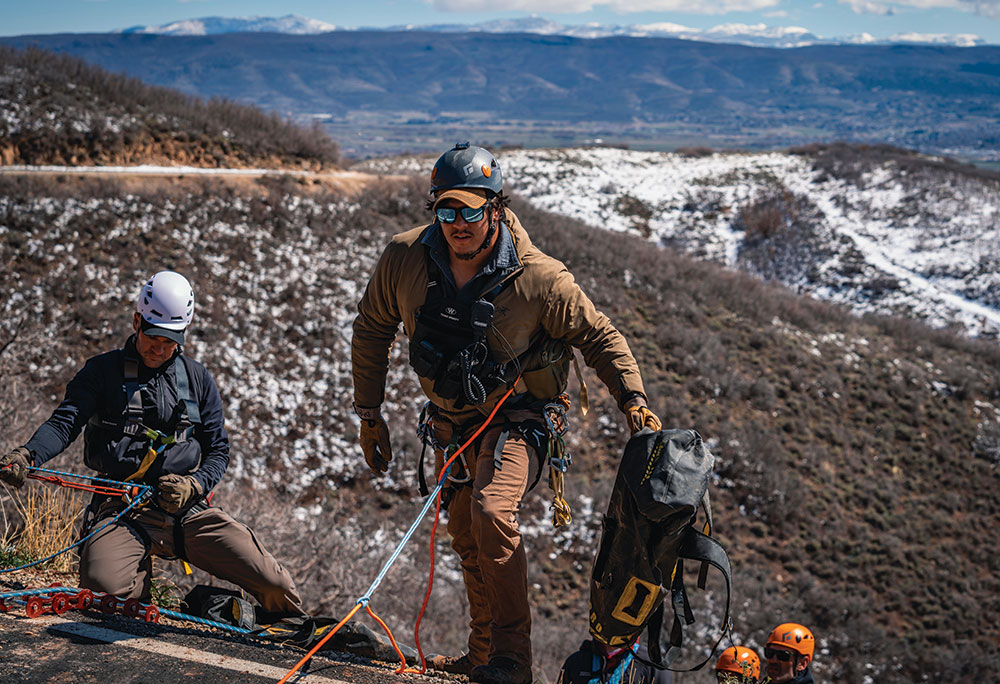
(542, 299)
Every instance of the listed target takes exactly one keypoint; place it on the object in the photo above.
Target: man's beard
(486, 242)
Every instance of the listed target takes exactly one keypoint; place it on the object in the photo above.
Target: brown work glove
(177, 492)
(14, 467)
(375, 444)
(638, 416)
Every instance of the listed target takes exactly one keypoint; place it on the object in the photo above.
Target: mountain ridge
(391, 92)
(760, 35)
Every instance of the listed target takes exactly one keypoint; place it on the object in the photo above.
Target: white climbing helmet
(166, 306)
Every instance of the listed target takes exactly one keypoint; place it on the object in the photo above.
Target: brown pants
(118, 559)
(484, 533)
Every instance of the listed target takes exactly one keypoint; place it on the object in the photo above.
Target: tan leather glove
(14, 467)
(177, 492)
(374, 440)
(638, 416)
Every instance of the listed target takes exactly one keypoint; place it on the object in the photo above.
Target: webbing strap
(133, 395)
(584, 397)
(184, 391)
(145, 464)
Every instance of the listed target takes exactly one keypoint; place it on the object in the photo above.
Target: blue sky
(825, 18)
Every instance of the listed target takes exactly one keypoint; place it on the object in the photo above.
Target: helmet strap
(486, 240)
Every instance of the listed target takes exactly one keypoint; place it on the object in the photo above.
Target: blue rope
(406, 538)
(35, 592)
(203, 621)
(145, 492)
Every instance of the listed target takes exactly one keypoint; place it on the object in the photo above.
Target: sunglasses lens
(783, 656)
(469, 215)
(445, 214)
(472, 215)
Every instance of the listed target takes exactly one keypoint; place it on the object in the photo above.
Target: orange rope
(354, 610)
(322, 641)
(402, 659)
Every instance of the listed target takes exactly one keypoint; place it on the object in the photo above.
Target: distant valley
(384, 92)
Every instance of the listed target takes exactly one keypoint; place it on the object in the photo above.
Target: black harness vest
(449, 346)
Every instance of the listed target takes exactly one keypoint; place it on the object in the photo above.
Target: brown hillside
(857, 458)
(60, 110)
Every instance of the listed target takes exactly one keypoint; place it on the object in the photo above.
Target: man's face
(464, 239)
(154, 351)
(780, 670)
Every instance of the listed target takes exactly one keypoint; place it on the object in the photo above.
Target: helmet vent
(154, 311)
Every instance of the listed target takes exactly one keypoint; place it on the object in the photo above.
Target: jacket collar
(504, 261)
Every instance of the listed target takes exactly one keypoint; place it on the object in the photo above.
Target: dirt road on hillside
(348, 182)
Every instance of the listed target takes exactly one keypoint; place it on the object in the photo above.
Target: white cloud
(986, 8)
(867, 6)
(622, 6)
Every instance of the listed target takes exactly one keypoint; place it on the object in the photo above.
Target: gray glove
(177, 492)
(14, 467)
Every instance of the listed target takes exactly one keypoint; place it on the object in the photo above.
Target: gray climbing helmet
(466, 166)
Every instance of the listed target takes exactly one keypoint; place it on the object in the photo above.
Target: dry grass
(47, 525)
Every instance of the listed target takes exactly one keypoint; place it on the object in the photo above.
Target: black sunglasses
(783, 656)
(469, 215)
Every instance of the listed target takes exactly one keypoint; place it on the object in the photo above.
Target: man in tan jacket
(483, 308)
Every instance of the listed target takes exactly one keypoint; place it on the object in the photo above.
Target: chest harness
(449, 346)
(185, 416)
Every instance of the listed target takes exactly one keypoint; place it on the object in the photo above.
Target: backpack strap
(706, 550)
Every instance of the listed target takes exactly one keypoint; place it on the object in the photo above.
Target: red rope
(430, 586)
(97, 489)
(354, 610)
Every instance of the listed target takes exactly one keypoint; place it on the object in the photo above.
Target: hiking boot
(501, 670)
(453, 664)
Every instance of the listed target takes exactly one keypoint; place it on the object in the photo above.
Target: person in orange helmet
(789, 652)
(737, 665)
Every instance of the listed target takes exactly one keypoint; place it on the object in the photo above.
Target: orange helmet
(740, 661)
(793, 636)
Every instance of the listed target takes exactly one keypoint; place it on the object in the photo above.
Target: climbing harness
(545, 438)
(434, 498)
(135, 495)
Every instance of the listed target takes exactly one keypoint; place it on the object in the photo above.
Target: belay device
(648, 534)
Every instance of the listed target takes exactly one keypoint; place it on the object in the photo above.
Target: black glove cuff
(366, 413)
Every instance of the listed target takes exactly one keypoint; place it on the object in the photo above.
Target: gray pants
(118, 559)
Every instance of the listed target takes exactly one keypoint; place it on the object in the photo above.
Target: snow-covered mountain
(290, 23)
(760, 35)
(881, 234)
